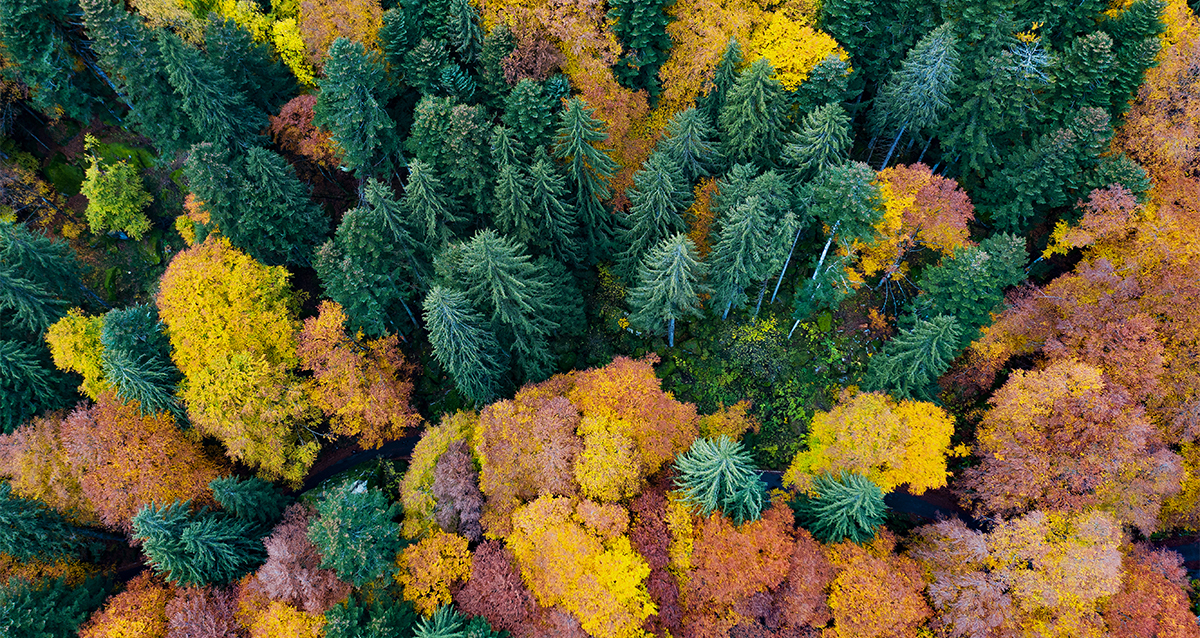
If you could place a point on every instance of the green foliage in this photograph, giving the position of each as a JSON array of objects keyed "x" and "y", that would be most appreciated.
[
  {"x": 848, "y": 506},
  {"x": 31, "y": 531},
  {"x": 498, "y": 44},
  {"x": 252, "y": 499},
  {"x": 356, "y": 533},
  {"x": 379, "y": 617},
  {"x": 824, "y": 140},
  {"x": 827, "y": 83},
  {"x": 479, "y": 627},
  {"x": 909, "y": 365},
  {"x": 136, "y": 359},
  {"x": 754, "y": 122},
  {"x": 428, "y": 207},
  {"x": 220, "y": 113},
  {"x": 718, "y": 475},
  {"x": 41, "y": 43},
  {"x": 39, "y": 280},
  {"x": 1135, "y": 33},
  {"x": 917, "y": 95},
  {"x": 726, "y": 74},
  {"x": 689, "y": 143},
  {"x": 252, "y": 66},
  {"x": 197, "y": 549},
  {"x": 351, "y": 106},
  {"x": 589, "y": 170},
  {"x": 969, "y": 285},
  {"x": 463, "y": 345},
  {"x": 423, "y": 65},
  {"x": 641, "y": 26},
  {"x": 116, "y": 197},
  {"x": 29, "y": 385},
  {"x": 552, "y": 217},
  {"x": 659, "y": 196},
  {"x": 453, "y": 140},
  {"x": 465, "y": 36},
  {"x": 846, "y": 198},
  {"x": 668, "y": 287},
  {"x": 529, "y": 114},
  {"x": 49, "y": 608},
  {"x": 394, "y": 38},
  {"x": 740, "y": 256},
  {"x": 454, "y": 81},
  {"x": 445, "y": 623}
]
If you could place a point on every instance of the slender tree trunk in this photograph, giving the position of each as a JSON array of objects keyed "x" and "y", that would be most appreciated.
[
  {"x": 891, "y": 150},
  {"x": 761, "y": 293},
  {"x": 927, "y": 143},
  {"x": 725, "y": 315},
  {"x": 785, "y": 263},
  {"x": 821, "y": 262},
  {"x": 671, "y": 332}
]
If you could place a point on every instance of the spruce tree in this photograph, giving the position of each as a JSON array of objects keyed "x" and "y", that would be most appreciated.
[
  {"x": 493, "y": 89},
  {"x": 352, "y": 107},
  {"x": 252, "y": 66},
  {"x": 740, "y": 256},
  {"x": 29, "y": 384},
  {"x": 423, "y": 65},
  {"x": 463, "y": 345},
  {"x": 197, "y": 549},
  {"x": 31, "y": 531},
  {"x": 754, "y": 122},
  {"x": 917, "y": 95},
  {"x": 364, "y": 615},
  {"x": 453, "y": 140},
  {"x": 49, "y": 608},
  {"x": 909, "y": 365},
  {"x": 1136, "y": 39},
  {"x": 39, "y": 280},
  {"x": 668, "y": 287},
  {"x": 726, "y": 74},
  {"x": 719, "y": 475},
  {"x": 444, "y": 623},
  {"x": 253, "y": 500},
  {"x": 589, "y": 170},
  {"x": 827, "y": 83},
  {"x": 427, "y": 207},
  {"x": 220, "y": 113},
  {"x": 641, "y": 26},
  {"x": 553, "y": 217},
  {"x": 689, "y": 143},
  {"x": 136, "y": 360},
  {"x": 657, "y": 200},
  {"x": 356, "y": 532},
  {"x": 394, "y": 39},
  {"x": 969, "y": 285},
  {"x": 40, "y": 42},
  {"x": 824, "y": 140},
  {"x": 846, "y": 507},
  {"x": 465, "y": 36},
  {"x": 529, "y": 114}
]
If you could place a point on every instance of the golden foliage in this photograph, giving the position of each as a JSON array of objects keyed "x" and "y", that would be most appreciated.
[
  {"x": 71, "y": 570},
  {"x": 74, "y": 343},
  {"x": 39, "y": 467},
  {"x": 608, "y": 468},
  {"x": 877, "y": 593},
  {"x": 429, "y": 569},
  {"x": 138, "y": 612},
  {"x": 793, "y": 46},
  {"x": 416, "y": 491},
  {"x": 732, "y": 421},
  {"x": 700, "y": 216}
]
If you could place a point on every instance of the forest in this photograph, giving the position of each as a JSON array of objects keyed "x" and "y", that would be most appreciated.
[{"x": 599, "y": 318}]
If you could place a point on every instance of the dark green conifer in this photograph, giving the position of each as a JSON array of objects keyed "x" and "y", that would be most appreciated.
[
  {"x": 366, "y": 616},
  {"x": 427, "y": 207},
  {"x": 726, "y": 74},
  {"x": 689, "y": 142},
  {"x": 136, "y": 359},
  {"x": 589, "y": 170},
  {"x": 1135, "y": 33},
  {"x": 553, "y": 218},
  {"x": 657, "y": 200},
  {"x": 41, "y": 44},
  {"x": 253, "y": 500},
  {"x": 969, "y": 285},
  {"x": 465, "y": 36},
  {"x": 719, "y": 475},
  {"x": 394, "y": 39},
  {"x": 39, "y": 280},
  {"x": 352, "y": 107},
  {"x": 641, "y": 26},
  {"x": 29, "y": 384},
  {"x": 220, "y": 112},
  {"x": 423, "y": 65},
  {"x": 740, "y": 256},
  {"x": 493, "y": 88},
  {"x": 909, "y": 365},
  {"x": 356, "y": 532},
  {"x": 846, "y": 507},
  {"x": 754, "y": 122},
  {"x": 529, "y": 115},
  {"x": 463, "y": 345},
  {"x": 49, "y": 608},
  {"x": 31, "y": 531},
  {"x": 827, "y": 83},
  {"x": 444, "y": 623},
  {"x": 197, "y": 549},
  {"x": 453, "y": 139},
  {"x": 668, "y": 287},
  {"x": 824, "y": 140},
  {"x": 252, "y": 66}
]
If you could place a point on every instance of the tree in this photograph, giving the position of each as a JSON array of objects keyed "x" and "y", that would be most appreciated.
[
  {"x": 427, "y": 205},
  {"x": 846, "y": 506},
  {"x": 888, "y": 442},
  {"x": 553, "y": 218},
  {"x": 74, "y": 343},
  {"x": 741, "y": 255},
  {"x": 39, "y": 468},
  {"x": 659, "y": 196},
  {"x": 51, "y": 607},
  {"x": 44, "y": 51},
  {"x": 823, "y": 141},
  {"x": 529, "y": 114},
  {"x": 28, "y": 385},
  {"x": 351, "y": 106},
  {"x": 220, "y": 113},
  {"x": 143, "y": 605},
  {"x": 33, "y": 531},
  {"x": 463, "y": 345},
  {"x": 453, "y": 140},
  {"x": 719, "y": 475},
  {"x": 668, "y": 287},
  {"x": 689, "y": 142},
  {"x": 116, "y": 197},
  {"x": 251, "y": 499},
  {"x": 456, "y": 489},
  {"x": 724, "y": 77},
  {"x": 429, "y": 568},
  {"x": 293, "y": 130},
  {"x": 362, "y": 617},
  {"x": 589, "y": 170},
  {"x": 196, "y": 549},
  {"x": 969, "y": 284},
  {"x": 916, "y": 95},
  {"x": 641, "y": 26},
  {"x": 252, "y": 65},
  {"x": 135, "y": 358},
  {"x": 876, "y": 592},
  {"x": 754, "y": 122},
  {"x": 322, "y": 23},
  {"x": 292, "y": 572},
  {"x": 909, "y": 365},
  {"x": 1154, "y": 596},
  {"x": 495, "y": 590},
  {"x": 356, "y": 533},
  {"x": 445, "y": 622},
  {"x": 203, "y": 611},
  {"x": 39, "y": 280}
]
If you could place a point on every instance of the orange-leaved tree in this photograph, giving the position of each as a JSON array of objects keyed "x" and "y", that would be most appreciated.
[
  {"x": 140, "y": 610},
  {"x": 877, "y": 592}
]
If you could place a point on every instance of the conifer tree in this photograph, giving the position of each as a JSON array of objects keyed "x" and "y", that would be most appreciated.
[
  {"x": 195, "y": 550},
  {"x": 352, "y": 107},
  {"x": 497, "y": 46},
  {"x": 689, "y": 143},
  {"x": 909, "y": 365},
  {"x": 252, "y": 499},
  {"x": 251, "y": 65},
  {"x": 718, "y": 475},
  {"x": 657, "y": 200},
  {"x": 754, "y": 122},
  {"x": 220, "y": 113},
  {"x": 824, "y": 140},
  {"x": 427, "y": 206},
  {"x": 365, "y": 616},
  {"x": 444, "y": 623},
  {"x": 847, "y": 506},
  {"x": 827, "y": 83},
  {"x": 641, "y": 25},
  {"x": 135, "y": 359},
  {"x": 917, "y": 95},
  {"x": 553, "y": 217},
  {"x": 668, "y": 287},
  {"x": 465, "y": 36},
  {"x": 726, "y": 74},
  {"x": 423, "y": 65},
  {"x": 116, "y": 197},
  {"x": 50, "y": 608},
  {"x": 31, "y": 531},
  {"x": 356, "y": 532},
  {"x": 39, "y": 280},
  {"x": 529, "y": 114},
  {"x": 453, "y": 140},
  {"x": 969, "y": 285},
  {"x": 41, "y": 46},
  {"x": 28, "y": 384},
  {"x": 740, "y": 255},
  {"x": 1135, "y": 33},
  {"x": 463, "y": 345},
  {"x": 394, "y": 39},
  {"x": 589, "y": 170}
]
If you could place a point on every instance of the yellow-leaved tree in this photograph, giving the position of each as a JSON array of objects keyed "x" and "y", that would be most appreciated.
[
  {"x": 416, "y": 492},
  {"x": 74, "y": 343},
  {"x": 429, "y": 568}
]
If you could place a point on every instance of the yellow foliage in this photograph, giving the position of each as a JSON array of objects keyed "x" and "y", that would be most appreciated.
[
  {"x": 416, "y": 491},
  {"x": 39, "y": 467},
  {"x": 429, "y": 568},
  {"x": 34, "y": 571},
  {"x": 732, "y": 421},
  {"x": 75, "y": 344},
  {"x": 609, "y": 468},
  {"x": 679, "y": 522},
  {"x": 173, "y": 14},
  {"x": 793, "y": 47},
  {"x": 282, "y": 620},
  {"x": 290, "y": 46},
  {"x": 873, "y": 435},
  {"x": 248, "y": 16}
]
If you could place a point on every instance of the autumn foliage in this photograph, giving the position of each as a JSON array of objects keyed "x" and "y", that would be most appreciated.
[
  {"x": 138, "y": 612},
  {"x": 292, "y": 572}
]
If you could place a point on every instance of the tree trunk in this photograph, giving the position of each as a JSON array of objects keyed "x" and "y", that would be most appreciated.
[
  {"x": 761, "y": 293},
  {"x": 785, "y": 263},
  {"x": 671, "y": 332},
  {"x": 891, "y": 150}
]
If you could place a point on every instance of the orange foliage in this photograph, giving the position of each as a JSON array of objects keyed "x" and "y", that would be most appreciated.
[
  {"x": 138, "y": 612},
  {"x": 39, "y": 467},
  {"x": 294, "y": 131},
  {"x": 323, "y": 21},
  {"x": 877, "y": 593},
  {"x": 1153, "y": 601},
  {"x": 700, "y": 215},
  {"x": 732, "y": 421},
  {"x": 71, "y": 570},
  {"x": 431, "y": 567},
  {"x": 266, "y": 618}
]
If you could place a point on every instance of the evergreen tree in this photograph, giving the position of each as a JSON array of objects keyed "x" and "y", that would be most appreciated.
[
  {"x": 364, "y": 616},
  {"x": 917, "y": 95},
  {"x": 427, "y": 207},
  {"x": 824, "y": 140},
  {"x": 29, "y": 385},
  {"x": 718, "y": 475},
  {"x": 50, "y": 608},
  {"x": 394, "y": 39},
  {"x": 726, "y": 74},
  {"x": 435, "y": 19},
  {"x": 463, "y": 345},
  {"x": 848, "y": 506},
  {"x": 658, "y": 198},
  {"x": 877, "y": 33},
  {"x": 529, "y": 114},
  {"x": 498, "y": 44},
  {"x": 1136, "y": 39},
  {"x": 827, "y": 83},
  {"x": 31, "y": 531},
  {"x": 740, "y": 255},
  {"x": 253, "y": 500},
  {"x": 455, "y": 82},
  {"x": 423, "y": 65},
  {"x": 39, "y": 280},
  {"x": 444, "y": 623},
  {"x": 641, "y": 26},
  {"x": 668, "y": 287},
  {"x": 195, "y": 550},
  {"x": 754, "y": 121},
  {"x": 553, "y": 218},
  {"x": 689, "y": 143},
  {"x": 969, "y": 285},
  {"x": 42, "y": 47},
  {"x": 453, "y": 140},
  {"x": 220, "y": 113},
  {"x": 589, "y": 170},
  {"x": 512, "y": 207},
  {"x": 135, "y": 358},
  {"x": 352, "y": 107},
  {"x": 252, "y": 66},
  {"x": 909, "y": 365},
  {"x": 465, "y": 36},
  {"x": 356, "y": 532}
]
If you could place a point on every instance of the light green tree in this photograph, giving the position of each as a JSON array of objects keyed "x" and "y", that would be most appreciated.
[{"x": 668, "y": 287}]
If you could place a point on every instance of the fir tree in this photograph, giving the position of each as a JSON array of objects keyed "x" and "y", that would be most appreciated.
[
  {"x": 444, "y": 623},
  {"x": 529, "y": 114},
  {"x": 28, "y": 384},
  {"x": 31, "y": 531},
  {"x": 909, "y": 365},
  {"x": 220, "y": 113},
  {"x": 463, "y": 345},
  {"x": 356, "y": 532},
  {"x": 668, "y": 287},
  {"x": 824, "y": 140},
  {"x": 498, "y": 44},
  {"x": 252, "y": 66},
  {"x": 253, "y": 500},
  {"x": 754, "y": 122},
  {"x": 512, "y": 203},
  {"x": 641, "y": 26},
  {"x": 456, "y": 83},
  {"x": 740, "y": 255},
  {"x": 827, "y": 83},
  {"x": 726, "y": 74},
  {"x": 718, "y": 475},
  {"x": 465, "y": 36},
  {"x": 394, "y": 39},
  {"x": 689, "y": 143},
  {"x": 364, "y": 616},
  {"x": 917, "y": 95},
  {"x": 194, "y": 550},
  {"x": 553, "y": 218},
  {"x": 40, "y": 43},
  {"x": 969, "y": 285},
  {"x": 589, "y": 170},
  {"x": 50, "y": 608},
  {"x": 453, "y": 140},
  {"x": 39, "y": 280},
  {"x": 1135, "y": 33},
  {"x": 658, "y": 198},
  {"x": 352, "y": 107},
  {"x": 135, "y": 359},
  {"x": 848, "y": 506},
  {"x": 423, "y": 65},
  {"x": 427, "y": 206}
]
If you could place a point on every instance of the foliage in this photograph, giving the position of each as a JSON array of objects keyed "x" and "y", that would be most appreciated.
[
  {"x": 718, "y": 475},
  {"x": 39, "y": 278},
  {"x": 139, "y": 611},
  {"x": 1153, "y": 598},
  {"x": 668, "y": 287},
  {"x": 116, "y": 198},
  {"x": 843, "y": 507},
  {"x": 452, "y": 139},
  {"x": 351, "y": 105},
  {"x": 823, "y": 139},
  {"x": 74, "y": 343},
  {"x": 909, "y": 365},
  {"x": 220, "y": 113},
  {"x": 358, "y": 617},
  {"x": 41, "y": 51},
  {"x": 969, "y": 284},
  {"x": 32, "y": 530},
  {"x": 292, "y": 572},
  {"x": 589, "y": 169},
  {"x": 195, "y": 612},
  {"x": 52, "y": 607},
  {"x": 495, "y": 590},
  {"x": 294, "y": 131},
  {"x": 754, "y": 122},
  {"x": 417, "y": 495},
  {"x": 356, "y": 533},
  {"x": 38, "y": 465},
  {"x": 456, "y": 489},
  {"x": 321, "y": 23},
  {"x": 640, "y": 25},
  {"x": 444, "y": 623},
  {"x": 917, "y": 95},
  {"x": 660, "y": 194},
  {"x": 196, "y": 549},
  {"x": 462, "y": 344},
  {"x": 876, "y": 592},
  {"x": 429, "y": 569},
  {"x": 252, "y": 499}
]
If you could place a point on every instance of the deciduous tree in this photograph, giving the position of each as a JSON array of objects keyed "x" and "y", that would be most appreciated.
[
  {"x": 116, "y": 197},
  {"x": 429, "y": 568},
  {"x": 140, "y": 610},
  {"x": 292, "y": 572}
]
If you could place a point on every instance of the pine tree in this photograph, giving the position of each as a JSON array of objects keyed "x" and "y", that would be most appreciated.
[
  {"x": 641, "y": 26},
  {"x": 529, "y": 114},
  {"x": 135, "y": 359},
  {"x": 463, "y": 345},
  {"x": 726, "y": 74},
  {"x": 49, "y": 608},
  {"x": 31, "y": 531},
  {"x": 253, "y": 500},
  {"x": 252, "y": 66},
  {"x": 39, "y": 280},
  {"x": 969, "y": 285},
  {"x": 824, "y": 140},
  {"x": 444, "y": 623},
  {"x": 41, "y": 44},
  {"x": 423, "y": 65},
  {"x": 352, "y": 107},
  {"x": 754, "y": 121},
  {"x": 356, "y": 532},
  {"x": 909, "y": 365},
  {"x": 394, "y": 39},
  {"x": 848, "y": 506},
  {"x": 668, "y": 287},
  {"x": 589, "y": 170},
  {"x": 28, "y": 384},
  {"x": 719, "y": 475},
  {"x": 427, "y": 206},
  {"x": 740, "y": 255},
  {"x": 689, "y": 143},
  {"x": 220, "y": 113},
  {"x": 657, "y": 200},
  {"x": 917, "y": 95},
  {"x": 553, "y": 218},
  {"x": 200, "y": 549}
]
